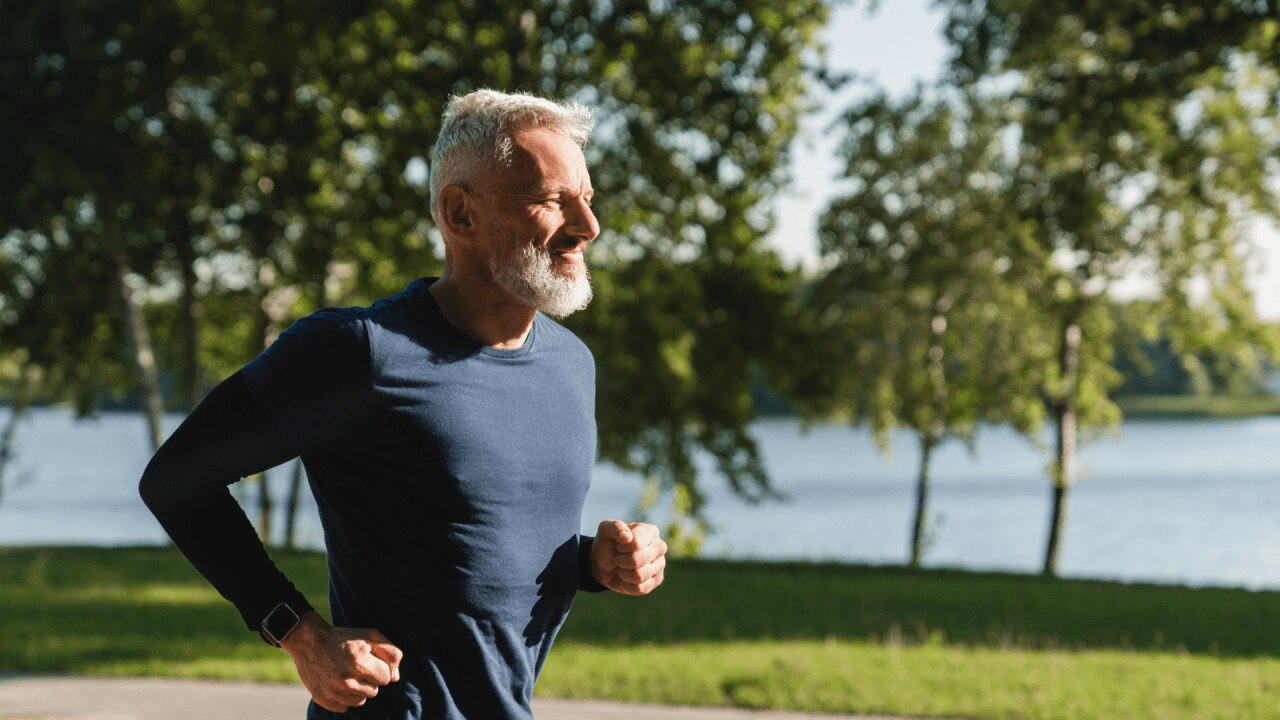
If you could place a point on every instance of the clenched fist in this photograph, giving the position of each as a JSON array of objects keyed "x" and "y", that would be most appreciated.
[
  {"x": 341, "y": 667},
  {"x": 628, "y": 558}
]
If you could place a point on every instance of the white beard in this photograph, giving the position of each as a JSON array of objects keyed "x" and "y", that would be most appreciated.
[{"x": 530, "y": 276}]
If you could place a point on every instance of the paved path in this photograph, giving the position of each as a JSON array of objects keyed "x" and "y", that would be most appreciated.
[{"x": 79, "y": 698}]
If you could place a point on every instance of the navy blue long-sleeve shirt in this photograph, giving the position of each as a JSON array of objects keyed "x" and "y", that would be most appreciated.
[{"x": 450, "y": 478}]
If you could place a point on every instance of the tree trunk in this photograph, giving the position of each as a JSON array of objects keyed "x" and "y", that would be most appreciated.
[
  {"x": 190, "y": 319},
  {"x": 922, "y": 496},
  {"x": 291, "y": 509},
  {"x": 1064, "y": 471},
  {"x": 21, "y": 401},
  {"x": 144, "y": 360},
  {"x": 264, "y": 509},
  {"x": 295, "y": 481},
  {"x": 273, "y": 306},
  {"x": 931, "y": 436}
]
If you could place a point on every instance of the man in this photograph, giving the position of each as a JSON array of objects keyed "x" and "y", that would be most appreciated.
[{"x": 448, "y": 434}]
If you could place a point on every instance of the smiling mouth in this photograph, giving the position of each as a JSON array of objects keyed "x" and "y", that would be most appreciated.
[
  {"x": 568, "y": 255},
  {"x": 568, "y": 263}
]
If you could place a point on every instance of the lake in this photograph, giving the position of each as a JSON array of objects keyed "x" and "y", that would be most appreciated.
[{"x": 1182, "y": 501}]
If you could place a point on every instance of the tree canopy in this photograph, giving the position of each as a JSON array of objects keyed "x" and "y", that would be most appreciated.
[
  {"x": 239, "y": 165},
  {"x": 1069, "y": 147}
]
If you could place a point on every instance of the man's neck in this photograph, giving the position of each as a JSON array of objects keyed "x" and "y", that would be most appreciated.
[{"x": 482, "y": 311}]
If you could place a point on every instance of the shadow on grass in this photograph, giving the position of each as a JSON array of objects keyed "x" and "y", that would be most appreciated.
[{"x": 719, "y": 600}]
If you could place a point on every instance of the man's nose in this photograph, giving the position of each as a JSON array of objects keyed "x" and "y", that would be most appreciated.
[{"x": 581, "y": 223}]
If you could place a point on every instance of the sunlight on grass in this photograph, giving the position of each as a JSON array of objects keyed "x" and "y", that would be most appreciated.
[
  {"x": 924, "y": 680},
  {"x": 811, "y": 637},
  {"x": 158, "y": 594}
]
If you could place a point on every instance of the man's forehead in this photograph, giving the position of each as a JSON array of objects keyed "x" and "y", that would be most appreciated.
[{"x": 543, "y": 159}]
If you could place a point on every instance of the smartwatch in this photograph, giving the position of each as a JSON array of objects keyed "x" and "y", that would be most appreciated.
[{"x": 279, "y": 623}]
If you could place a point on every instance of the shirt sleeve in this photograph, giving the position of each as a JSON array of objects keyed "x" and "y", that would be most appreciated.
[
  {"x": 586, "y": 579},
  {"x": 185, "y": 486},
  {"x": 315, "y": 380}
]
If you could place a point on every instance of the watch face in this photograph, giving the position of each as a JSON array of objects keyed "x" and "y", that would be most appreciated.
[{"x": 279, "y": 622}]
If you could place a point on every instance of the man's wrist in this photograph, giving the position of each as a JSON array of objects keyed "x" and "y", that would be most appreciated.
[
  {"x": 587, "y": 579},
  {"x": 283, "y": 617},
  {"x": 309, "y": 627}
]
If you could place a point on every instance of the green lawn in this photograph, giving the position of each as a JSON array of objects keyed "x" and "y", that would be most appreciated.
[{"x": 795, "y": 636}]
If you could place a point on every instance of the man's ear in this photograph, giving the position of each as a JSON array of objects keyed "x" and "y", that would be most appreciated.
[{"x": 456, "y": 209}]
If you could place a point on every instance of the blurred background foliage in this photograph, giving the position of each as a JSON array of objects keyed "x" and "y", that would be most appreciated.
[
  {"x": 972, "y": 262},
  {"x": 185, "y": 178}
]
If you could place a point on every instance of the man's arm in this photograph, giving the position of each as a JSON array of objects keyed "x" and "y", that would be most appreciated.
[
  {"x": 185, "y": 485},
  {"x": 228, "y": 437}
]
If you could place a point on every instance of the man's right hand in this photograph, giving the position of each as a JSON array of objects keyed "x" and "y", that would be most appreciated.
[{"x": 341, "y": 667}]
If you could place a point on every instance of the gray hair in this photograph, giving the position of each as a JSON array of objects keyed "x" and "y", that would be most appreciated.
[{"x": 477, "y": 129}]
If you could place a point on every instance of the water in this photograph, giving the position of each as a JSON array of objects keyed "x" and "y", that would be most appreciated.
[{"x": 1192, "y": 502}]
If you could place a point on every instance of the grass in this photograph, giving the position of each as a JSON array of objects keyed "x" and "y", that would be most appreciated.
[
  {"x": 1198, "y": 406},
  {"x": 815, "y": 637}
]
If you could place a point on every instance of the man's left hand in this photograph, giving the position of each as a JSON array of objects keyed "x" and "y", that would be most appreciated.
[{"x": 628, "y": 558}]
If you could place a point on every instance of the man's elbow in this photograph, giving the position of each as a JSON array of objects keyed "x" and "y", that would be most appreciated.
[{"x": 157, "y": 484}]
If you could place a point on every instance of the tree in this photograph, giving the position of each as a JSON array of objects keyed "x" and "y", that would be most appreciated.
[
  {"x": 98, "y": 193},
  {"x": 923, "y": 323},
  {"x": 1144, "y": 136},
  {"x": 306, "y": 128}
]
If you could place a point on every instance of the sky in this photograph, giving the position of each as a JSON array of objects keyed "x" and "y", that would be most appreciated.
[{"x": 899, "y": 45}]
